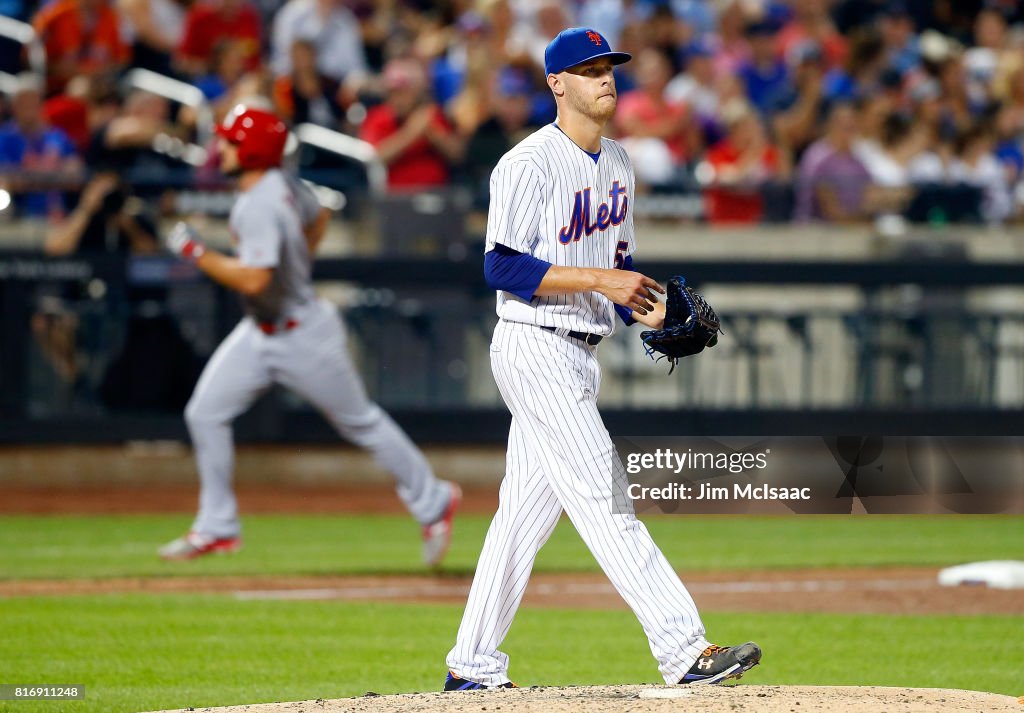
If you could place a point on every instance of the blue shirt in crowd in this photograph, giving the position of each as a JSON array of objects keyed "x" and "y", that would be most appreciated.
[{"x": 45, "y": 151}]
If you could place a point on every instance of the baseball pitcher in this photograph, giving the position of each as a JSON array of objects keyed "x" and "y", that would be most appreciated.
[{"x": 559, "y": 252}]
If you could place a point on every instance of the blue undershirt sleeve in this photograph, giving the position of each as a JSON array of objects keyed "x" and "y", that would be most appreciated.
[
  {"x": 512, "y": 271},
  {"x": 625, "y": 313}
]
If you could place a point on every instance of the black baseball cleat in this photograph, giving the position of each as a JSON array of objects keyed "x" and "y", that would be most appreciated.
[
  {"x": 720, "y": 663},
  {"x": 454, "y": 683}
]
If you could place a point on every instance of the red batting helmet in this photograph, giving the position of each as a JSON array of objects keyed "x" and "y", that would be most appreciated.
[{"x": 259, "y": 135}]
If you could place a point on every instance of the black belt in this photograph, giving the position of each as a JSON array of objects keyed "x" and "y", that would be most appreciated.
[{"x": 591, "y": 339}]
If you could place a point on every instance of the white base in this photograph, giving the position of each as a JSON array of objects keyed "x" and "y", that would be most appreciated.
[{"x": 998, "y": 574}]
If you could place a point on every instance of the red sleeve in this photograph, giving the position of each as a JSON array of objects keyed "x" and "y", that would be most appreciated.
[
  {"x": 251, "y": 29},
  {"x": 835, "y": 49},
  {"x": 440, "y": 121},
  {"x": 41, "y": 21},
  {"x": 254, "y": 24},
  {"x": 718, "y": 155},
  {"x": 119, "y": 51},
  {"x": 283, "y": 99},
  {"x": 190, "y": 40},
  {"x": 375, "y": 127},
  {"x": 48, "y": 26}
]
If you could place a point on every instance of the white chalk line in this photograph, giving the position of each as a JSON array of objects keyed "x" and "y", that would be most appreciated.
[{"x": 584, "y": 588}]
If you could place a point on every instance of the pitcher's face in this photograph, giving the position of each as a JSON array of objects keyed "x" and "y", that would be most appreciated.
[{"x": 590, "y": 89}]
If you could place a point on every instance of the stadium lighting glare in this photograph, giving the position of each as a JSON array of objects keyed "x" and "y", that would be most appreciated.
[{"x": 5, "y": 199}]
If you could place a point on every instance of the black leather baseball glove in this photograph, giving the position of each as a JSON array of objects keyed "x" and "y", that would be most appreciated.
[{"x": 690, "y": 325}]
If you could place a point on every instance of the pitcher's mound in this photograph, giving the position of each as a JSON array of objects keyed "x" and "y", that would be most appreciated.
[{"x": 637, "y": 699}]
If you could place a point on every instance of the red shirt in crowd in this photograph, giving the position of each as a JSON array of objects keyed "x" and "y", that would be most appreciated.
[
  {"x": 206, "y": 25},
  {"x": 421, "y": 164},
  {"x": 740, "y": 204},
  {"x": 833, "y": 45},
  {"x": 70, "y": 115},
  {"x": 67, "y": 38}
]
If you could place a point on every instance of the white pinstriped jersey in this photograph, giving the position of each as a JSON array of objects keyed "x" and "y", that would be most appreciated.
[{"x": 551, "y": 200}]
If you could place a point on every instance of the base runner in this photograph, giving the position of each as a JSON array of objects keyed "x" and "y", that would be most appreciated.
[{"x": 287, "y": 337}]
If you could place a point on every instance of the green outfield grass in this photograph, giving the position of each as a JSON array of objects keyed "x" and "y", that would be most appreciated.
[
  {"x": 146, "y": 652},
  {"x": 106, "y": 546}
]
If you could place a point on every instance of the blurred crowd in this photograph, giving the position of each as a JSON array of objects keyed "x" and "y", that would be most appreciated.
[{"x": 810, "y": 110}]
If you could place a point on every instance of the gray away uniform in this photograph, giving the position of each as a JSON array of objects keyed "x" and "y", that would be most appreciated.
[{"x": 290, "y": 337}]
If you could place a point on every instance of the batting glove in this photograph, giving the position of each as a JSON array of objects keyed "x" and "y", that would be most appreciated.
[{"x": 184, "y": 242}]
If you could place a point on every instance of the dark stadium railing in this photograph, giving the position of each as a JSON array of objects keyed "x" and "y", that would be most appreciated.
[{"x": 106, "y": 349}]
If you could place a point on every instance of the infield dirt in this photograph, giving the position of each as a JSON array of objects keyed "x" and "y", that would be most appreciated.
[
  {"x": 882, "y": 590},
  {"x": 644, "y": 699}
]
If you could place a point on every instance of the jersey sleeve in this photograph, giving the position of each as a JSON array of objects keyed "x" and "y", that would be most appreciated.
[
  {"x": 514, "y": 272},
  {"x": 514, "y": 216},
  {"x": 306, "y": 202},
  {"x": 259, "y": 236}
]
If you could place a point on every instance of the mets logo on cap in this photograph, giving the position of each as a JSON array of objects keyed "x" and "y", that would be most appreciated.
[{"x": 577, "y": 45}]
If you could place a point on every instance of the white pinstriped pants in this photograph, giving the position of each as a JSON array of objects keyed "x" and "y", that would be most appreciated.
[{"x": 560, "y": 456}]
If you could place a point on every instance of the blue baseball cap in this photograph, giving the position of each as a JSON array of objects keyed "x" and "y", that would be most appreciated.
[{"x": 577, "y": 45}]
